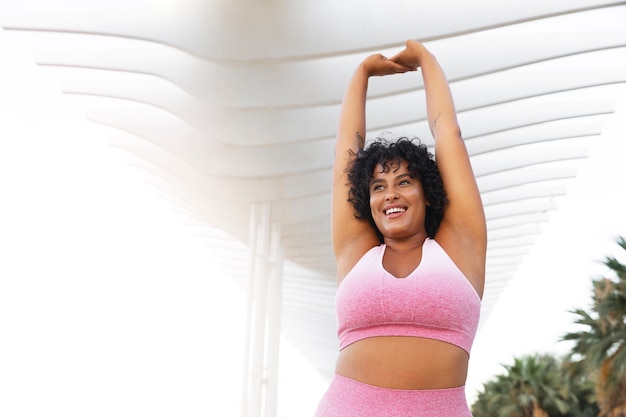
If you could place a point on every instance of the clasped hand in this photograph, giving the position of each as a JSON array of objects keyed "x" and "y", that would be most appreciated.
[{"x": 406, "y": 60}]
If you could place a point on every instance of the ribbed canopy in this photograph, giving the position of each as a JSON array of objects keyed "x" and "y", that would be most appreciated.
[{"x": 228, "y": 104}]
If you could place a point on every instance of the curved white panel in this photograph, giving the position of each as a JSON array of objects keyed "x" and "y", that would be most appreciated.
[{"x": 239, "y": 101}]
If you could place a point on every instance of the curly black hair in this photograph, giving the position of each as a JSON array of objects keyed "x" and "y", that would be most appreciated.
[{"x": 421, "y": 165}]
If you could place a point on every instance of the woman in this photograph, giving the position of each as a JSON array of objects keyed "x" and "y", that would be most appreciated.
[{"x": 410, "y": 243}]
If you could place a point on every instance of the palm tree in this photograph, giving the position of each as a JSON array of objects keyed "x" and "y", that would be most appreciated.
[
  {"x": 601, "y": 345},
  {"x": 579, "y": 387},
  {"x": 532, "y": 387}
]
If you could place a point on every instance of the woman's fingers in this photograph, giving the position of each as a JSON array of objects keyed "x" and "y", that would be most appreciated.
[
  {"x": 379, "y": 65},
  {"x": 405, "y": 59},
  {"x": 410, "y": 56}
]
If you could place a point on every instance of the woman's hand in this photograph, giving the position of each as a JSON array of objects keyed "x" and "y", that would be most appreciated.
[
  {"x": 379, "y": 65},
  {"x": 411, "y": 55}
]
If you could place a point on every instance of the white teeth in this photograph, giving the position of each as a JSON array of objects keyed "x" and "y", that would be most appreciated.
[{"x": 395, "y": 210}]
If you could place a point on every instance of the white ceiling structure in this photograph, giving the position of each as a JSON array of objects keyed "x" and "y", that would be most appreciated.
[{"x": 229, "y": 105}]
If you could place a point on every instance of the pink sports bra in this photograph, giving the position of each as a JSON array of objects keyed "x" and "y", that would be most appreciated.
[{"x": 436, "y": 301}]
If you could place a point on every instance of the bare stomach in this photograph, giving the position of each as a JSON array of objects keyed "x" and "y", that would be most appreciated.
[{"x": 404, "y": 363}]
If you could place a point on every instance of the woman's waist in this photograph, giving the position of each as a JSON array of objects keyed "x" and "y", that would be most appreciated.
[{"x": 402, "y": 362}]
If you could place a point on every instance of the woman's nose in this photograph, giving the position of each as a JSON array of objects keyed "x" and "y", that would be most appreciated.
[{"x": 391, "y": 194}]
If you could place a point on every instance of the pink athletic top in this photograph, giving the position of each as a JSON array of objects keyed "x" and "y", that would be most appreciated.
[{"x": 436, "y": 301}]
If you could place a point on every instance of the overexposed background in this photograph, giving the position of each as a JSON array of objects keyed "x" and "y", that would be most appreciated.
[{"x": 110, "y": 305}]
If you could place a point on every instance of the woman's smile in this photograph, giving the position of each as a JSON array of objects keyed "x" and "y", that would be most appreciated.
[{"x": 394, "y": 211}]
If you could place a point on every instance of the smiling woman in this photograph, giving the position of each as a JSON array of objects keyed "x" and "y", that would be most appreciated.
[{"x": 409, "y": 236}]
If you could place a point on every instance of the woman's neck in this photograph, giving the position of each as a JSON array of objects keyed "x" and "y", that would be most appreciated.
[{"x": 405, "y": 245}]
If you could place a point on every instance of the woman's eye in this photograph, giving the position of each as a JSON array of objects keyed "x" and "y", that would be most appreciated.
[{"x": 404, "y": 182}]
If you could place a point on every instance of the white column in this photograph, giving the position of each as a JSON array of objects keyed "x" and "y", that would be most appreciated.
[
  {"x": 260, "y": 379},
  {"x": 274, "y": 321},
  {"x": 252, "y": 246}
]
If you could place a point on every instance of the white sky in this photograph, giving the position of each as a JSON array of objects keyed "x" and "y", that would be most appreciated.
[
  {"x": 109, "y": 305},
  {"x": 532, "y": 314},
  {"x": 105, "y": 296}
]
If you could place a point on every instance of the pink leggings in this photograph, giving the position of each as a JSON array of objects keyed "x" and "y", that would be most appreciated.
[{"x": 349, "y": 398}]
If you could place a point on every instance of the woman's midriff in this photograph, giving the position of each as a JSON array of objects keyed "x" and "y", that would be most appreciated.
[{"x": 404, "y": 363}]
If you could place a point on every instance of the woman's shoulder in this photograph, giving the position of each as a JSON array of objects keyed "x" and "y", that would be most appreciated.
[
  {"x": 349, "y": 261},
  {"x": 468, "y": 254}
]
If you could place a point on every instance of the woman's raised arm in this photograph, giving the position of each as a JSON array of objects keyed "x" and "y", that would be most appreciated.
[
  {"x": 352, "y": 237},
  {"x": 463, "y": 231}
]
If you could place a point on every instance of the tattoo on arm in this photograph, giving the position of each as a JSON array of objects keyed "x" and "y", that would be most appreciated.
[
  {"x": 361, "y": 139},
  {"x": 433, "y": 125}
]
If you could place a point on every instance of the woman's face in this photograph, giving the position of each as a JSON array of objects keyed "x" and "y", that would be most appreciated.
[{"x": 397, "y": 202}]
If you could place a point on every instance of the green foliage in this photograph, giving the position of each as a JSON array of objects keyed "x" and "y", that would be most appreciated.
[
  {"x": 581, "y": 385},
  {"x": 534, "y": 386},
  {"x": 590, "y": 382},
  {"x": 600, "y": 345}
]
